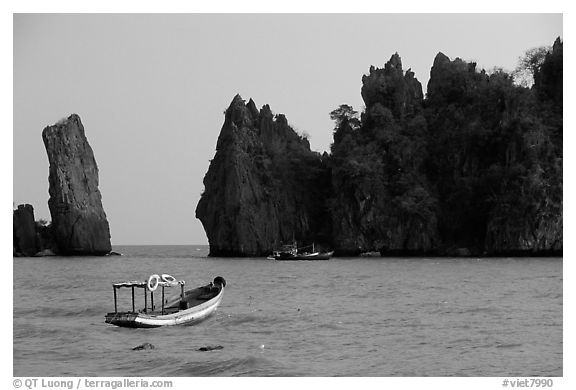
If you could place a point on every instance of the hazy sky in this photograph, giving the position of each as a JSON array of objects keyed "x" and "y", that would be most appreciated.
[{"x": 151, "y": 90}]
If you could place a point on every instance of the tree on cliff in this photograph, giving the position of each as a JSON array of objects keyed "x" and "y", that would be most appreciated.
[
  {"x": 529, "y": 64},
  {"x": 346, "y": 119},
  {"x": 345, "y": 114}
]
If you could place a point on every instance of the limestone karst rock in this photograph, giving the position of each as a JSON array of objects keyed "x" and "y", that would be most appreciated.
[
  {"x": 496, "y": 157},
  {"x": 472, "y": 169},
  {"x": 79, "y": 223},
  {"x": 381, "y": 198},
  {"x": 264, "y": 185}
]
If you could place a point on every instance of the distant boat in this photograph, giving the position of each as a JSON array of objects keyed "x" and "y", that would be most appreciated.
[
  {"x": 292, "y": 252},
  {"x": 185, "y": 308}
]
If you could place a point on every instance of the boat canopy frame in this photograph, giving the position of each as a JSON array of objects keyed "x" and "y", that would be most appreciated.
[{"x": 138, "y": 284}]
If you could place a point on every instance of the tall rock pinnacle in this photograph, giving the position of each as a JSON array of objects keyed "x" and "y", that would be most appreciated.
[
  {"x": 264, "y": 186},
  {"x": 78, "y": 220}
]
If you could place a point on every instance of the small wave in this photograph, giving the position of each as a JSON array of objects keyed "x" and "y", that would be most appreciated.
[
  {"x": 241, "y": 319},
  {"x": 52, "y": 312},
  {"x": 360, "y": 295},
  {"x": 482, "y": 310},
  {"x": 435, "y": 288},
  {"x": 32, "y": 330},
  {"x": 247, "y": 366},
  {"x": 286, "y": 277},
  {"x": 511, "y": 345},
  {"x": 331, "y": 325},
  {"x": 252, "y": 318},
  {"x": 551, "y": 295}
]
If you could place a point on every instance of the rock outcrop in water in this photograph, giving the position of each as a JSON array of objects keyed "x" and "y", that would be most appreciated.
[
  {"x": 79, "y": 224},
  {"x": 143, "y": 347},
  {"x": 24, "y": 231},
  {"x": 264, "y": 186},
  {"x": 475, "y": 168},
  {"x": 31, "y": 238},
  {"x": 210, "y": 348}
]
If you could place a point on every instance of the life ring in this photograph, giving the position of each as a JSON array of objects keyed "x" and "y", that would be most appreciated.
[
  {"x": 169, "y": 279},
  {"x": 153, "y": 281}
]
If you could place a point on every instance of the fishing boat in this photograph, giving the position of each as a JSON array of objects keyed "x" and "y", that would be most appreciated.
[
  {"x": 187, "y": 307},
  {"x": 292, "y": 252}
]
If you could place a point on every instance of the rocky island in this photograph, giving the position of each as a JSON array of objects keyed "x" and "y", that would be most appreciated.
[
  {"x": 24, "y": 234},
  {"x": 79, "y": 226},
  {"x": 472, "y": 168},
  {"x": 264, "y": 185}
]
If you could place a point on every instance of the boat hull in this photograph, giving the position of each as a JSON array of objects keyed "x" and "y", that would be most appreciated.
[
  {"x": 154, "y": 320},
  {"x": 309, "y": 257}
]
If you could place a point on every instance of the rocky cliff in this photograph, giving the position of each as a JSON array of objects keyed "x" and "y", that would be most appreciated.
[
  {"x": 79, "y": 224},
  {"x": 381, "y": 198},
  {"x": 527, "y": 217},
  {"x": 474, "y": 168},
  {"x": 264, "y": 186},
  {"x": 496, "y": 160}
]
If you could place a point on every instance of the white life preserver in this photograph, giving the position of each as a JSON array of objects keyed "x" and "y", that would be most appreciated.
[
  {"x": 169, "y": 280},
  {"x": 153, "y": 282}
]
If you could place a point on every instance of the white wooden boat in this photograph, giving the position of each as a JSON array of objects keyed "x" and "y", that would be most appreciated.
[{"x": 188, "y": 307}]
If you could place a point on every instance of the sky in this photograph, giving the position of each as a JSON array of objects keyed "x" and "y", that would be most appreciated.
[{"x": 151, "y": 90}]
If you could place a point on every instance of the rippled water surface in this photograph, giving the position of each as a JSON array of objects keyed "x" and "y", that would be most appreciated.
[{"x": 348, "y": 317}]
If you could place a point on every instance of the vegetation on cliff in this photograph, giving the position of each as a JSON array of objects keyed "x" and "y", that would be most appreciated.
[
  {"x": 476, "y": 165},
  {"x": 381, "y": 199},
  {"x": 472, "y": 168}
]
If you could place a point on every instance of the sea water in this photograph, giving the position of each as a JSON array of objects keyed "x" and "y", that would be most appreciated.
[{"x": 342, "y": 317}]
